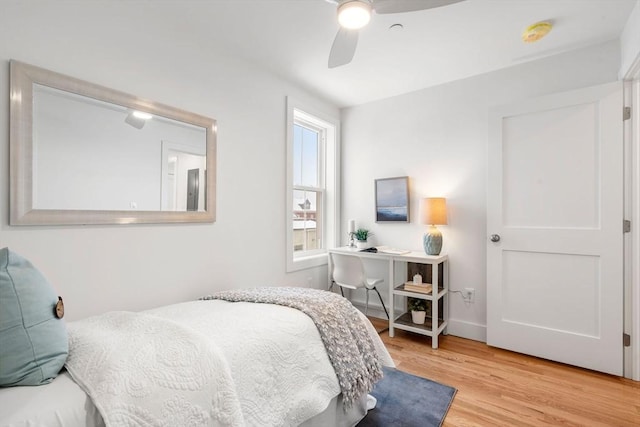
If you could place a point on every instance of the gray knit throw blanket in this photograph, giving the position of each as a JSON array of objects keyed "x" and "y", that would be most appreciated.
[{"x": 345, "y": 336}]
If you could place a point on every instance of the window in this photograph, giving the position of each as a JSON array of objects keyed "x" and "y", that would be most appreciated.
[
  {"x": 311, "y": 186},
  {"x": 308, "y": 185}
]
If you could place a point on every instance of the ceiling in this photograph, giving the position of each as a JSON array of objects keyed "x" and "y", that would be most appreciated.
[{"x": 292, "y": 39}]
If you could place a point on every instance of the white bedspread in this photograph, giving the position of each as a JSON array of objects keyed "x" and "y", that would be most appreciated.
[
  {"x": 143, "y": 370},
  {"x": 281, "y": 375}
]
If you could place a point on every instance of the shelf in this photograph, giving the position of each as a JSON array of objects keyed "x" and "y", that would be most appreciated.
[
  {"x": 433, "y": 269},
  {"x": 404, "y": 322},
  {"x": 399, "y": 290}
]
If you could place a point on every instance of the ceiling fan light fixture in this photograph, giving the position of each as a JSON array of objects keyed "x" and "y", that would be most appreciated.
[{"x": 354, "y": 14}]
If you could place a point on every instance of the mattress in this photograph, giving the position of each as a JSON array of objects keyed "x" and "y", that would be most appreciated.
[{"x": 62, "y": 403}]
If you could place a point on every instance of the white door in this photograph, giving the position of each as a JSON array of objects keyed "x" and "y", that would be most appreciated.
[{"x": 555, "y": 202}]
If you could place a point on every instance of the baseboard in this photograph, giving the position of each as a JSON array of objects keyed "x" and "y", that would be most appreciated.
[
  {"x": 462, "y": 329},
  {"x": 457, "y": 328},
  {"x": 375, "y": 310}
]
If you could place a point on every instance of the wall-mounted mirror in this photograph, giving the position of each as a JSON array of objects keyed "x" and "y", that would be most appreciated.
[{"x": 85, "y": 154}]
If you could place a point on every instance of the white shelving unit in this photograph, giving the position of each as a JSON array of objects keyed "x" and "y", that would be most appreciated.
[{"x": 437, "y": 322}]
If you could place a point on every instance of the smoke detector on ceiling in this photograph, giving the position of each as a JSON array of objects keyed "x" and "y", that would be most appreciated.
[{"x": 535, "y": 32}]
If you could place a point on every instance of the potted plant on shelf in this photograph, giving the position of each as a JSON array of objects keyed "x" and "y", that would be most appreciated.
[
  {"x": 362, "y": 235},
  {"x": 418, "y": 308}
]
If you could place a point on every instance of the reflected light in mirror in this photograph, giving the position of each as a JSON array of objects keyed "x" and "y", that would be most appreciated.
[{"x": 142, "y": 115}]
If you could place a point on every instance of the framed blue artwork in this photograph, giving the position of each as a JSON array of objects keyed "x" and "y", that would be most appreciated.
[{"x": 392, "y": 199}]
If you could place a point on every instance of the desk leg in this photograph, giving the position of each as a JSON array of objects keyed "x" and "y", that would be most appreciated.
[
  {"x": 392, "y": 303},
  {"x": 434, "y": 305},
  {"x": 445, "y": 281}
]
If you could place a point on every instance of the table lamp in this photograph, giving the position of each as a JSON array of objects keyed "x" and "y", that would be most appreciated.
[{"x": 434, "y": 212}]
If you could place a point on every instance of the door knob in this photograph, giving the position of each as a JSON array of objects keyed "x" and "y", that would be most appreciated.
[{"x": 495, "y": 238}]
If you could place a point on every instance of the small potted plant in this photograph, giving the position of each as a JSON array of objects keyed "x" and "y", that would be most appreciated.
[
  {"x": 362, "y": 235},
  {"x": 418, "y": 308}
]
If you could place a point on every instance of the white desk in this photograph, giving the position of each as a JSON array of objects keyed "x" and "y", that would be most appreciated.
[{"x": 396, "y": 289}]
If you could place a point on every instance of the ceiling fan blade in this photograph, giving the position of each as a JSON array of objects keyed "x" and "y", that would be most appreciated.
[
  {"x": 343, "y": 48},
  {"x": 399, "y": 6}
]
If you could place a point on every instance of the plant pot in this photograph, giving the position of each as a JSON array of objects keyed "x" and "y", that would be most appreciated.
[
  {"x": 418, "y": 317},
  {"x": 362, "y": 244}
]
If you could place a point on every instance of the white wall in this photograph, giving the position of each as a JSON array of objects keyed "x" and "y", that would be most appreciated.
[
  {"x": 630, "y": 43},
  {"x": 100, "y": 268},
  {"x": 438, "y": 137}
]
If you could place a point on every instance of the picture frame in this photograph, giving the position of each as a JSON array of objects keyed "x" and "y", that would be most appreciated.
[{"x": 392, "y": 199}]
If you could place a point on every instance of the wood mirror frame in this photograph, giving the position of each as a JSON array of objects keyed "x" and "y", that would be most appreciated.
[{"x": 21, "y": 158}]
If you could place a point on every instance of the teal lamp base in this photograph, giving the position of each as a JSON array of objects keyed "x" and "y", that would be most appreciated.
[{"x": 432, "y": 241}]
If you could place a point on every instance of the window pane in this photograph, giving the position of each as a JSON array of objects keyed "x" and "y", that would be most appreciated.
[
  {"x": 305, "y": 156},
  {"x": 306, "y": 220},
  {"x": 297, "y": 155}
]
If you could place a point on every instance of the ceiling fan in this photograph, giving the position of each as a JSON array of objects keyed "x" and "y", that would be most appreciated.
[{"x": 355, "y": 14}]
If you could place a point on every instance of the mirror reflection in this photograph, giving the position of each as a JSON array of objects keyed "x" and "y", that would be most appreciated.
[
  {"x": 93, "y": 155},
  {"x": 84, "y": 154}
]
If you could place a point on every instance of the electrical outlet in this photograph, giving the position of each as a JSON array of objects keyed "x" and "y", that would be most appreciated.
[{"x": 469, "y": 294}]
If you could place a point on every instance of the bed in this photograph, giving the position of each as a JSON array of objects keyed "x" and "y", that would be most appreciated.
[{"x": 215, "y": 361}]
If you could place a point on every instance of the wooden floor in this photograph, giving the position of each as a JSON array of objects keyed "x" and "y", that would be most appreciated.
[{"x": 501, "y": 388}]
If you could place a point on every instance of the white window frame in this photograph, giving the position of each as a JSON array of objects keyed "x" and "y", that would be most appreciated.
[
  {"x": 309, "y": 122},
  {"x": 329, "y": 127}
]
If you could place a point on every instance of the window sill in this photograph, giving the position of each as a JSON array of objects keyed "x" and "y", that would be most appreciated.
[{"x": 305, "y": 262}]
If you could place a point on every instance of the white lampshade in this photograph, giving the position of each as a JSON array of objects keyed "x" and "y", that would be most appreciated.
[
  {"x": 354, "y": 14},
  {"x": 434, "y": 210}
]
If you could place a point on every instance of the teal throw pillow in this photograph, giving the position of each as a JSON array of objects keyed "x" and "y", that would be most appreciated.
[{"x": 33, "y": 340}]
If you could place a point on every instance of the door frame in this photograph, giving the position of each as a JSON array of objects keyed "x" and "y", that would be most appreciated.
[{"x": 632, "y": 213}]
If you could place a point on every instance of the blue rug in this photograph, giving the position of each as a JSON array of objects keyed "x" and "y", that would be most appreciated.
[{"x": 405, "y": 400}]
